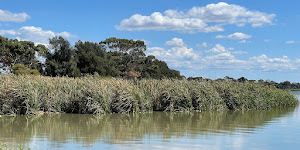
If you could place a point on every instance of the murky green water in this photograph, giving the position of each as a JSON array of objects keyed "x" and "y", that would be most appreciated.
[{"x": 270, "y": 129}]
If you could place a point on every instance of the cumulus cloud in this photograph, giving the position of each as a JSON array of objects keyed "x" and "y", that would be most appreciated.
[
  {"x": 158, "y": 21},
  {"x": 270, "y": 64},
  {"x": 235, "y": 36},
  {"x": 6, "y": 16},
  {"x": 179, "y": 55},
  {"x": 231, "y": 14},
  {"x": 217, "y": 49},
  {"x": 221, "y": 58},
  {"x": 175, "y": 42},
  {"x": 35, "y": 34},
  {"x": 209, "y": 18}
]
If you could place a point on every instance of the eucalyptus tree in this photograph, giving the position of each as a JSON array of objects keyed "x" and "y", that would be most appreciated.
[
  {"x": 92, "y": 57},
  {"x": 61, "y": 59},
  {"x": 13, "y": 51}
]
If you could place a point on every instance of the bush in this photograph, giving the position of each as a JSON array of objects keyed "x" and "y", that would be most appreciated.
[{"x": 21, "y": 69}]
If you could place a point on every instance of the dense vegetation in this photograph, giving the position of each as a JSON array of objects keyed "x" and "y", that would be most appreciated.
[
  {"x": 282, "y": 85},
  {"x": 95, "y": 95},
  {"x": 112, "y": 58},
  {"x": 96, "y": 92}
]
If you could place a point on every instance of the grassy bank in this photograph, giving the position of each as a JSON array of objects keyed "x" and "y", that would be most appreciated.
[{"x": 32, "y": 94}]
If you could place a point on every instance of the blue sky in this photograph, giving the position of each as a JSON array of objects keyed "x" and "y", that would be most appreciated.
[{"x": 255, "y": 39}]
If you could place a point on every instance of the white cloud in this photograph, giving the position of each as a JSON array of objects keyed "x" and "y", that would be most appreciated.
[
  {"x": 177, "y": 56},
  {"x": 270, "y": 64},
  {"x": 8, "y": 32},
  {"x": 6, "y": 16},
  {"x": 224, "y": 61},
  {"x": 155, "y": 49},
  {"x": 216, "y": 28},
  {"x": 35, "y": 34},
  {"x": 157, "y": 21},
  {"x": 220, "y": 58},
  {"x": 231, "y": 14},
  {"x": 209, "y": 18},
  {"x": 175, "y": 42},
  {"x": 239, "y": 52},
  {"x": 235, "y": 36},
  {"x": 217, "y": 49},
  {"x": 290, "y": 42},
  {"x": 267, "y": 40}
]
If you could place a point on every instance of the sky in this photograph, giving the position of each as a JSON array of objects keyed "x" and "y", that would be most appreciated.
[{"x": 254, "y": 39}]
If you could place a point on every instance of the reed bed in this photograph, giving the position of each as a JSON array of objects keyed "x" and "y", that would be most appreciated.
[{"x": 29, "y": 95}]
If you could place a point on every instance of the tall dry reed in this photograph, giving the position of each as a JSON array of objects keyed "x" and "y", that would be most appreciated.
[{"x": 94, "y": 95}]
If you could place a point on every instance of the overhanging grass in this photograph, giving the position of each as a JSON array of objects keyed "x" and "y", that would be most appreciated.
[{"x": 93, "y": 95}]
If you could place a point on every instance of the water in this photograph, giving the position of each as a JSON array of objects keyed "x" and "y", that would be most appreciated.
[{"x": 266, "y": 129}]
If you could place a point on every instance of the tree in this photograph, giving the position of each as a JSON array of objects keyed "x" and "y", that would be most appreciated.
[
  {"x": 14, "y": 52},
  {"x": 126, "y": 54},
  {"x": 92, "y": 58},
  {"x": 60, "y": 59},
  {"x": 111, "y": 57},
  {"x": 242, "y": 79},
  {"x": 135, "y": 48}
]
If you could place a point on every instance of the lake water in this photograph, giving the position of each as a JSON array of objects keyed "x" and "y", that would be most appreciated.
[{"x": 266, "y": 129}]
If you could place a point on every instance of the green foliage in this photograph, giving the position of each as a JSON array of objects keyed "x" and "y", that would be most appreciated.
[
  {"x": 92, "y": 57},
  {"x": 112, "y": 57},
  {"x": 34, "y": 72},
  {"x": 14, "y": 52},
  {"x": 129, "y": 58},
  {"x": 135, "y": 48},
  {"x": 21, "y": 69},
  {"x": 61, "y": 62}
]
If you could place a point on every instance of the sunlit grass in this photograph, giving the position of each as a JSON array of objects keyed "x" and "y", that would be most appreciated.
[{"x": 94, "y": 95}]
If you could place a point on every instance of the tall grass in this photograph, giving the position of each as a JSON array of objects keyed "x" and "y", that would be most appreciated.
[{"x": 93, "y": 95}]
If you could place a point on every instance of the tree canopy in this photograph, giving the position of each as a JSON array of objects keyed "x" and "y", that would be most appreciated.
[
  {"x": 112, "y": 57},
  {"x": 14, "y": 52}
]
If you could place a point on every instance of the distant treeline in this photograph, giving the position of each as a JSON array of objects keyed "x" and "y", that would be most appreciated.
[
  {"x": 281, "y": 85},
  {"x": 112, "y": 57}
]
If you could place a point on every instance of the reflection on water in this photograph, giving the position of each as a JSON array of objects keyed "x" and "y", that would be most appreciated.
[{"x": 153, "y": 130}]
